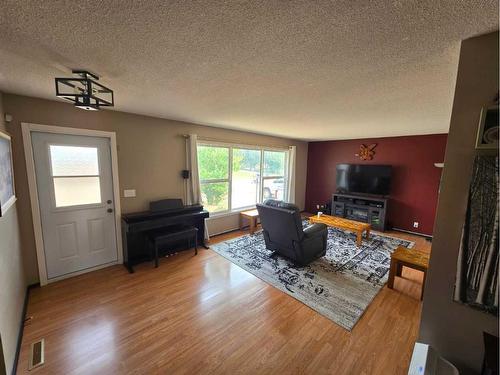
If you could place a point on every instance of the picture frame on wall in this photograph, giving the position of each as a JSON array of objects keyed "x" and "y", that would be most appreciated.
[
  {"x": 488, "y": 130},
  {"x": 7, "y": 188},
  {"x": 476, "y": 282}
]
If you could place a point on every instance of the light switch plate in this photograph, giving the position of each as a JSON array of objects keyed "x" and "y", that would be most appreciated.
[{"x": 130, "y": 193}]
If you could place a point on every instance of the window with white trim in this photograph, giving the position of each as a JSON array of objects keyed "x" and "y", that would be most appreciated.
[
  {"x": 234, "y": 177},
  {"x": 75, "y": 175}
]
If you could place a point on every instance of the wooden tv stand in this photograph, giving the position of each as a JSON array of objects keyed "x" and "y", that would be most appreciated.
[{"x": 367, "y": 209}]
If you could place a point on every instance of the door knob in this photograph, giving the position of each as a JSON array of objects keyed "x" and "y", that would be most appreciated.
[
  {"x": 109, "y": 201},
  {"x": 110, "y": 210}
]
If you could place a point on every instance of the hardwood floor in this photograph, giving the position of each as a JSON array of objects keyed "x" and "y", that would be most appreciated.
[{"x": 204, "y": 315}]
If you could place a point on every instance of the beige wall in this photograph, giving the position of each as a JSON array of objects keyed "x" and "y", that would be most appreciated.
[
  {"x": 12, "y": 278},
  {"x": 151, "y": 154},
  {"x": 453, "y": 329}
]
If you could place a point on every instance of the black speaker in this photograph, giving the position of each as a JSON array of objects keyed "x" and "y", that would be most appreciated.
[{"x": 185, "y": 174}]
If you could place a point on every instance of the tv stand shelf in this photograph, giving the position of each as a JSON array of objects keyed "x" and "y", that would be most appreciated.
[{"x": 368, "y": 209}]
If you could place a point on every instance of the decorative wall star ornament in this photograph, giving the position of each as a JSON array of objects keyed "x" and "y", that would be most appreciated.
[{"x": 366, "y": 152}]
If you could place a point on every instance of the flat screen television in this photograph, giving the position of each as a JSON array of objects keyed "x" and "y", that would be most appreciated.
[{"x": 364, "y": 179}]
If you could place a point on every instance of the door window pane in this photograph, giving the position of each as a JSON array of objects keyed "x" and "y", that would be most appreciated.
[
  {"x": 274, "y": 163},
  {"x": 213, "y": 162},
  {"x": 214, "y": 196},
  {"x": 245, "y": 182},
  {"x": 273, "y": 188},
  {"x": 74, "y": 161},
  {"x": 74, "y": 191}
]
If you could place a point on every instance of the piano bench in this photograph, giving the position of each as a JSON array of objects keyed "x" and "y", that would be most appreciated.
[{"x": 161, "y": 237}]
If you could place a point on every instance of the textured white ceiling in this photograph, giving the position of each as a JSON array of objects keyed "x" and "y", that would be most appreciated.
[{"x": 302, "y": 69}]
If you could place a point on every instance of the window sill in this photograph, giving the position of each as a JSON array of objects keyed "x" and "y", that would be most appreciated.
[{"x": 230, "y": 213}]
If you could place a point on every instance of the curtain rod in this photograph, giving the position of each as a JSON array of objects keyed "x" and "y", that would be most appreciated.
[{"x": 201, "y": 138}]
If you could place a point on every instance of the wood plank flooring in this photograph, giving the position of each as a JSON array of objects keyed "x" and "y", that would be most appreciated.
[{"x": 204, "y": 315}]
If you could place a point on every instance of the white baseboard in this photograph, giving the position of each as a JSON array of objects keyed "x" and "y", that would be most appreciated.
[
  {"x": 224, "y": 231},
  {"x": 411, "y": 232}
]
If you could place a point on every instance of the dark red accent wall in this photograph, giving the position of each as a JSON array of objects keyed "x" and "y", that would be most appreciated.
[{"x": 415, "y": 180}]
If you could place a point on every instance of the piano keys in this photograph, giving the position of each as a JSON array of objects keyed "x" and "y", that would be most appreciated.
[{"x": 162, "y": 214}]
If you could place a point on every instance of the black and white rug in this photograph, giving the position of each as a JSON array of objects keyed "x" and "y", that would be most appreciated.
[{"x": 339, "y": 285}]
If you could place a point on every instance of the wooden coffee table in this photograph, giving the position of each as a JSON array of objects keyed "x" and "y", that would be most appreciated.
[
  {"x": 346, "y": 224},
  {"x": 411, "y": 258},
  {"x": 251, "y": 216}
]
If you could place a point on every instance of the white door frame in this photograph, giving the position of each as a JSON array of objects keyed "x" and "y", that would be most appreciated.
[{"x": 27, "y": 129}]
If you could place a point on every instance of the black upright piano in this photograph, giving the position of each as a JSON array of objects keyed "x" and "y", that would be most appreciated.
[{"x": 162, "y": 214}]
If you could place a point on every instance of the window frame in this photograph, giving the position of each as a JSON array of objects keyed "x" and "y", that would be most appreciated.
[
  {"x": 229, "y": 180},
  {"x": 83, "y": 206},
  {"x": 218, "y": 180},
  {"x": 274, "y": 177},
  {"x": 259, "y": 192}
]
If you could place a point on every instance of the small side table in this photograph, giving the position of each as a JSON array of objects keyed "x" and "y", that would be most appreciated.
[
  {"x": 410, "y": 258},
  {"x": 251, "y": 216}
]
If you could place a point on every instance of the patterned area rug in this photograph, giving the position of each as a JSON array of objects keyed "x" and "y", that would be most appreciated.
[{"x": 339, "y": 285}]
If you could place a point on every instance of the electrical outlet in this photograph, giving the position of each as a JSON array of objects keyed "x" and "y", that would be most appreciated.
[{"x": 415, "y": 224}]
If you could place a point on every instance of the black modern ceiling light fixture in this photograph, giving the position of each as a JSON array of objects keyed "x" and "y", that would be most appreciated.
[{"x": 84, "y": 91}]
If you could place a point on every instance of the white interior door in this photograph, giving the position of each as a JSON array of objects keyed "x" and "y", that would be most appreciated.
[{"x": 75, "y": 194}]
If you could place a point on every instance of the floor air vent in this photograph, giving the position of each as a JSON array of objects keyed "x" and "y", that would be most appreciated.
[{"x": 37, "y": 354}]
